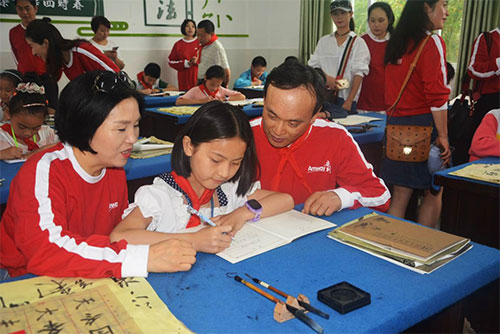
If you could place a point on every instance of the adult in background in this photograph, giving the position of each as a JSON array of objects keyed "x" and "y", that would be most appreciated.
[
  {"x": 25, "y": 60},
  {"x": 424, "y": 101},
  {"x": 65, "y": 201},
  {"x": 100, "y": 26},
  {"x": 314, "y": 160},
  {"x": 73, "y": 57},
  {"x": 380, "y": 23},
  {"x": 212, "y": 52},
  {"x": 344, "y": 69},
  {"x": 184, "y": 56}
]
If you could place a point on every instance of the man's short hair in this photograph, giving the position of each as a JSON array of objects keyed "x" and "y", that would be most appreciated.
[
  {"x": 97, "y": 21},
  {"x": 32, "y": 2},
  {"x": 259, "y": 61},
  {"x": 291, "y": 74},
  {"x": 152, "y": 70},
  {"x": 207, "y": 25}
]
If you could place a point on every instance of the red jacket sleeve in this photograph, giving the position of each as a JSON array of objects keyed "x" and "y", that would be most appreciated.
[
  {"x": 174, "y": 59},
  {"x": 486, "y": 140},
  {"x": 433, "y": 73},
  {"x": 480, "y": 65},
  {"x": 93, "y": 59},
  {"x": 358, "y": 186},
  {"x": 44, "y": 237},
  {"x": 15, "y": 51}
]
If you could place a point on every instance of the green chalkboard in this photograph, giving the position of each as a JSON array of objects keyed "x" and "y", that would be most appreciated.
[{"x": 51, "y": 8}]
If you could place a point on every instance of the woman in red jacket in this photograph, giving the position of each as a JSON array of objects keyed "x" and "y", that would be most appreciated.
[
  {"x": 73, "y": 57},
  {"x": 184, "y": 56},
  {"x": 424, "y": 101}
]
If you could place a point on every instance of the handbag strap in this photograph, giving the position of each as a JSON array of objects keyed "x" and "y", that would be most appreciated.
[
  {"x": 345, "y": 56},
  {"x": 408, "y": 75}
]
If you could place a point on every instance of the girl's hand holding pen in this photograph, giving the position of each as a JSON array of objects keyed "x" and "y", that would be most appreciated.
[{"x": 212, "y": 239}]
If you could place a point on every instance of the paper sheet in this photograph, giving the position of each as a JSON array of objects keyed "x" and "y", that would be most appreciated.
[
  {"x": 271, "y": 232},
  {"x": 355, "y": 120},
  {"x": 482, "y": 172},
  {"x": 75, "y": 305},
  {"x": 167, "y": 93}
]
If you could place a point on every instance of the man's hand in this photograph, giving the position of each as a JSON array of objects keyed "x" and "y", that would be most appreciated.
[
  {"x": 170, "y": 256},
  {"x": 322, "y": 203}
]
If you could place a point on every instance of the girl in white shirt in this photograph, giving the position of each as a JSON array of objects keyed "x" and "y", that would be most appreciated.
[{"x": 214, "y": 166}]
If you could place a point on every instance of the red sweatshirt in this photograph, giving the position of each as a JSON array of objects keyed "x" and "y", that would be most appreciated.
[
  {"x": 328, "y": 159},
  {"x": 182, "y": 52},
  {"x": 85, "y": 58},
  {"x": 371, "y": 97},
  {"x": 484, "y": 66},
  {"x": 486, "y": 140},
  {"x": 23, "y": 55},
  {"x": 427, "y": 90},
  {"x": 58, "y": 220}
]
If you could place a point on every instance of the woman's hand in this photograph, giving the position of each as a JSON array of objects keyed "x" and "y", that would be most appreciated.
[
  {"x": 170, "y": 256},
  {"x": 235, "y": 219},
  {"x": 443, "y": 143},
  {"x": 212, "y": 239}
]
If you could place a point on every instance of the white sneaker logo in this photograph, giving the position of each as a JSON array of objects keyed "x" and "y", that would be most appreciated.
[
  {"x": 113, "y": 206},
  {"x": 326, "y": 168}
]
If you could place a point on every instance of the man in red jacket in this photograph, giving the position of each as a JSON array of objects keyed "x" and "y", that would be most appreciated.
[{"x": 315, "y": 160}]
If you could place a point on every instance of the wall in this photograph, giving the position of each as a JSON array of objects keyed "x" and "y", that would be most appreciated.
[{"x": 256, "y": 27}]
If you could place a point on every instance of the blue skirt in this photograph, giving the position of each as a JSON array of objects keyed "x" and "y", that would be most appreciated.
[{"x": 414, "y": 175}]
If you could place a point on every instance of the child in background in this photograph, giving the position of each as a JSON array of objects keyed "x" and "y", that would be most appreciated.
[
  {"x": 148, "y": 81},
  {"x": 210, "y": 89},
  {"x": 214, "y": 166},
  {"x": 26, "y": 133},
  {"x": 255, "y": 76},
  {"x": 9, "y": 79},
  {"x": 486, "y": 140}
]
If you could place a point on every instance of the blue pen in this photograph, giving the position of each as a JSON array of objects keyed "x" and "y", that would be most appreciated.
[{"x": 203, "y": 217}]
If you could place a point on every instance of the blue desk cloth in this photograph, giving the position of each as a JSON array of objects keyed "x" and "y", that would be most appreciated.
[
  {"x": 160, "y": 101},
  {"x": 250, "y": 110},
  {"x": 134, "y": 169},
  {"x": 446, "y": 172},
  {"x": 207, "y": 301},
  {"x": 7, "y": 172},
  {"x": 372, "y": 135}
]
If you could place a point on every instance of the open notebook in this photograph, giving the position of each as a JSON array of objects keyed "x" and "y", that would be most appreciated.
[{"x": 271, "y": 232}]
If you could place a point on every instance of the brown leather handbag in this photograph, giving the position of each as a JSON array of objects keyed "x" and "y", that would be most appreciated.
[{"x": 408, "y": 143}]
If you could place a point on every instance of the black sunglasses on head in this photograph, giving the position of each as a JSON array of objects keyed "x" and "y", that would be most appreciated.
[{"x": 108, "y": 81}]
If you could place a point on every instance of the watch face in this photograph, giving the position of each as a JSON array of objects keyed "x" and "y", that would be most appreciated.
[{"x": 254, "y": 204}]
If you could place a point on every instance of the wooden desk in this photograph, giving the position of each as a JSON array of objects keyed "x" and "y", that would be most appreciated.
[{"x": 470, "y": 207}]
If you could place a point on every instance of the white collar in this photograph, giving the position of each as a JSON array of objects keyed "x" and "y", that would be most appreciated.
[
  {"x": 376, "y": 39},
  {"x": 79, "y": 169}
]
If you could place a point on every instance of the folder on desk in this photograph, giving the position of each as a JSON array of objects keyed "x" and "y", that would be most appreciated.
[
  {"x": 151, "y": 147},
  {"x": 409, "y": 245}
]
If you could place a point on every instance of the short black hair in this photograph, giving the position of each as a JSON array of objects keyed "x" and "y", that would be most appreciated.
[
  {"x": 184, "y": 24},
  {"x": 14, "y": 76},
  {"x": 291, "y": 58},
  {"x": 218, "y": 120},
  {"x": 152, "y": 70},
  {"x": 259, "y": 61},
  {"x": 215, "y": 71},
  {"x": 32, "y": 2},
  {"x": 97, "y": 21},
  {"x": 207, "y": 25},
  {"x": 83, "y": 108},
  {"x": 292, "y": 74}
]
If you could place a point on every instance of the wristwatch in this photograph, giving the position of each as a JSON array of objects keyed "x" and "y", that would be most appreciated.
[{"x": 254, "y": 206}]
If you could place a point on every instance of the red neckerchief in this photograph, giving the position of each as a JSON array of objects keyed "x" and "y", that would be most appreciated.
[
  {"x": 140, "y": 78},
  {"x": 28, "y": 141},
  {"x": 195, "y": 201},
  {"x": 205, "y": 90},
  {"x": 213, "y": 39},
  {"x": 286, "y": 154}
]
